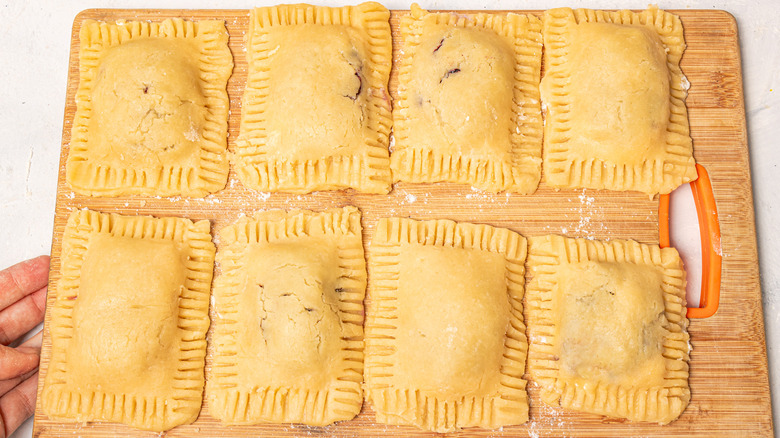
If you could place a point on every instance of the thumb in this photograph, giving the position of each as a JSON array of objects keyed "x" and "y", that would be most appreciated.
[{"x": 15, "y": 362}]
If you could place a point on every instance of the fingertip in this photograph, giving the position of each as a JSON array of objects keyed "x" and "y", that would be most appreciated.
[
  {"x": 17, "y": 361},
  {"x": 32, "y": 357},
  {"x": 23, "y": 279},
  {"x": 31, "y": 354},
  {"x": 39, "y": 298},
  {"x": 40, "y": 262},
  {"x": 34, "y": 342},
  {"x": 35, "y": 269}
]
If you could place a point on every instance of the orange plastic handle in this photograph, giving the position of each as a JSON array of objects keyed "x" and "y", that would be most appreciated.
[{"x": 709, "y": 229}]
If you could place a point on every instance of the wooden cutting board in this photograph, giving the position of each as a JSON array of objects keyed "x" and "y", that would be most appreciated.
[{"x": 728, "y": 378}]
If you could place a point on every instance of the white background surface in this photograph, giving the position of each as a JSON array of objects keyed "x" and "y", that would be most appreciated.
[{"x": 34, "y": 49}]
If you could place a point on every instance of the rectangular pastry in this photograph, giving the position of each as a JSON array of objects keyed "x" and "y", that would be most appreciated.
[
  {"x": 128, "y": 326},
  {"x": 151, "y": 109},
  {"x": 316, "y": 114},
  {"x": 288, "y": 334},
  {"x": 607, "y": 327},
  {"x": 614, "y": 96},
  {"x": 445, "y": 339},
  {"x": 468, "y": 109}
]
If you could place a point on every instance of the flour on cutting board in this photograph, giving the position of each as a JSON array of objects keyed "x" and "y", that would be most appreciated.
[
  {"x": 550, "y": 418},
  {"x": 487, "y": 197},
  {"x": 586, "y": 227}
]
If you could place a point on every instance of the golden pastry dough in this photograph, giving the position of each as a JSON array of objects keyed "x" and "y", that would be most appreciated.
[
  {"x": 445, "y": 340},
  {"x": 468, "y": 109},
  {"x": 152, "y": 109},
  {"x": 128, "y": 326},
  {"x": 607, "y": 327},
  {"x": 615, "y": 101},
  {"x": 316, "y": 114},
  {"x": 288, "y": 335}
]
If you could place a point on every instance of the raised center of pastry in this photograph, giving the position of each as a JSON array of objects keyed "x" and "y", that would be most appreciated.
[
  {"x": 619, "y": 92},
  {"x": 126, "y": 313},
  {"x": 147, "y": 104},
  {"x": 460, "y": 91},
  {"x": 610, "y": 323},
  {"x": 317, "y": 92},
  {"x": 290, "y": 304},
  {"x": 453, "y": 313}
]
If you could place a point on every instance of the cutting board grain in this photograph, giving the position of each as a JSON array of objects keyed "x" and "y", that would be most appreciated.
[{"x": 729, "y": 382}]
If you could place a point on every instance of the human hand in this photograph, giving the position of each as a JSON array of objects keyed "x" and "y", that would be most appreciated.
[{"x": 22, "y": 305}]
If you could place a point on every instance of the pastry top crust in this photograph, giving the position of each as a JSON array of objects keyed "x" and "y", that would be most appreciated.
[
  {"x": 610, "y": 323},
  {"x": 619, "y": 92},
  {"x": 328, "y": 119},
  {"x": 146, "y": 365},
  {"x": 147, "y": 104},
  {"x": 453, "y": 106},
  {"x": 297, "y": 289},
  {"x": 459, "y": 81},
  {"x": 460, "y": 335},
  {"x": 152, "y": 108},
  {"x": 444, "y": 335},
  {"x": 316, "y": 114},
  {"x": 614, "y": 95},
  {"x": 290, "y": 299},
  {"x": 607, "y": 327},
  {"x": 131, "y": 354}
]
